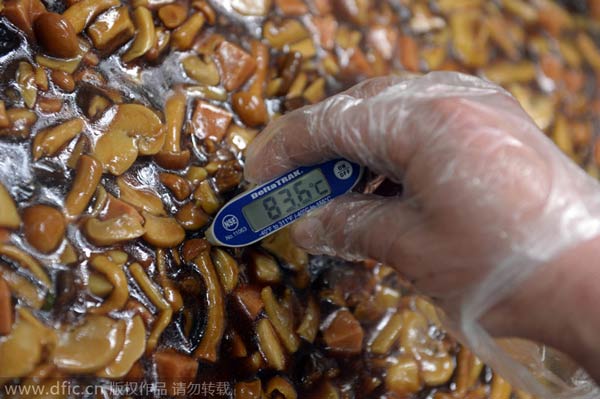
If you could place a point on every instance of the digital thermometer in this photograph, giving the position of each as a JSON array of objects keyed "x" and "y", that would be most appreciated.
[{"x": 255, "y": 214}]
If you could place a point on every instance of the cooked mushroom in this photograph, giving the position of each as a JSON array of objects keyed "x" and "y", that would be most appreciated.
[
  {"x": 281, "y": 319},
  {"x": 89, "y": 172},
  {"x": 49, "y": 141},
  {"x": 116, "y": 277},
  {"x": 22, "y": 350},
  {"x": 157, "y": 300},
  {"x": 145, "y": 37},
  {"x": 9, "y": 217},
  {"x": 90, "y": 346},
  {"x": 133, "y": 349},
  {"x": 111, "y": 231},
  {"x": 134, "y": 129},
  {"x": 6, "y": 308},
  {"x": 44, "y": 227},
  {"x": 215, "y": 323}
]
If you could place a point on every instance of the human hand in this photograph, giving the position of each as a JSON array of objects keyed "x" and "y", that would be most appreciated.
[{"x": 488, "y": 197}]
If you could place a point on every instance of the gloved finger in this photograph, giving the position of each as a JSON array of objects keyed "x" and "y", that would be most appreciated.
[
  {"x": 259, "y": 169},
  {"x": 359, "y": 226},
  {"x": 372, "y": 87},
  {"x": 382, "y": 131}
]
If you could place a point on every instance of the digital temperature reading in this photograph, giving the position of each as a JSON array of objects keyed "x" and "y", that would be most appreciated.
[
  {"x": 287, "y": 200},
  {"x": 273, "y": 205}
]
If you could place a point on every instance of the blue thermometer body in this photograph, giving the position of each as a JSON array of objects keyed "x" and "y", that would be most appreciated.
[{"x": 259, "y": 212}]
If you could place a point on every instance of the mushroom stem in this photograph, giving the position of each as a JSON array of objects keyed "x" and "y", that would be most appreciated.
[{"x": 215, "y": 323}]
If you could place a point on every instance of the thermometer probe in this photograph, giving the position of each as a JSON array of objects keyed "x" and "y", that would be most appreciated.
[{"x": 257, "y": 213}]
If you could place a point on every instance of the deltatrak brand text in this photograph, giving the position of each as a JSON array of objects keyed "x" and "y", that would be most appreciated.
[{"x": 276, "y": 184}]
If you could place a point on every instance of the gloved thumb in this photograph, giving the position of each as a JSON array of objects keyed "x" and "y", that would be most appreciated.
[{"x": 358, "y": 226}]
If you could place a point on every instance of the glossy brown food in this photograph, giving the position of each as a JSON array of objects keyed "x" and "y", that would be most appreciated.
[{"x": 123, "y": 126}]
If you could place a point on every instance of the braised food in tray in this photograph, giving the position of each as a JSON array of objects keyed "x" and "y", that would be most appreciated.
[{"x": 123, "y": 126}]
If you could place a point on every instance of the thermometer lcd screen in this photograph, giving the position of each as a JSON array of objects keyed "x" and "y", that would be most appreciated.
[{"x": 286, "y": 200}]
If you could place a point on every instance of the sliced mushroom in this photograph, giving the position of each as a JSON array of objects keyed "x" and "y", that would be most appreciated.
[
  {"x": 108, "y": 207},
  {"x": 6, "y": 308},
  {"x": 163, "y": 38},
  {"x": 284, "y": 33},
  {"x": 177, "y": 184},
  {"x": 403, "y": 378},
  {"x": 116, "y": 277},
  {"x": 142, "y": 200},
  {"x": 468, "y": 371},
  {"x": 49, "y": 141},
  {"x": 9, "y": 216},
  {"x": 28, "y": 262},
  {"x": 281, "y": 245},
  {"x": 133, "y": 349},
  {"x": 436, "y": 369},
  {"x": 20, "y": 122},
  {"x": 171, "y": 155},
  {"x": 387, "y": 335},
  {"x": 269, "y": 345},
  {"x": 209, "y": 201},
  {"x": 191, "y": 217},
  {"x": 153, "y": 294},
  {"x": 63, "y": 80},
  {"x": 4, "y": 122},
  {"x": 238, "y": 347},
  {"x": 239, "y": 137},
  {"x": 315, "y": 92},
  {"x": 173, "y": 15},
  {"x": 281, "y": 319},
  {"x": 264, "y": 268},
  {"x": 309, "y": 327},
  {"x": 470, "y": 36},
  {"x": 414, "y": 331},
  {"x": 134, "y": 129},
  {"x": 183, "y": 37},
  {"x": 227, "y": 269},
  {"x": 250, "y": 104},
  {"x": 111, "y": 29},
  {"x": 98, "y": 104},
  {"x": 248, "y": 389},
  {"x": 203, "y": 71},
  {"x": 145, "y": 37},
  {"x": 500, "y": 388},
  {"x": 21, "y": 351},
  {"x": 90, "y": 346},
  {"x": 99, "y": 285},
  {"x": 89, "y": 173},
  {"x": 172, "y": 294},
  {"x": 162, "y": 232},
  {"x": 249, "y": 300},
  {"x": 26, "y": 81},
  {"x": 66, "y": 65},
  {"x": 81, "y": 13},
  {"x": 108, "y": 232},
  {"x": 196, "y": 174},
  {"x": 215, "y": 323},
  {"x": 22, "y": 288},
  {"x": 69, "y": 254},
  {"x": 252, "y": 7}
]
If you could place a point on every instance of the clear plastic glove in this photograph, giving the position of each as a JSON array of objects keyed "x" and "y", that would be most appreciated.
[{"x": 488, "y": 197}]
